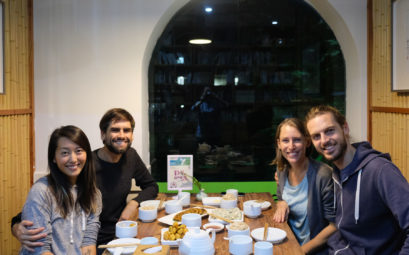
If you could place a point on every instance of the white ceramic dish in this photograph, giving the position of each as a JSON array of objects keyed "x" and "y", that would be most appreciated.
[
  {"x": 213, "y": 220},
  {"x": 168, "y": 219},
  {"x": 152, "y": 202},
  {"x": 167, "y": 242},
  {"x": 212, "y": 201},
  {"x": 126, "y": 250},
  {"x": 234, "y": 232},
  {"x": 264, "y": 205},
  {"x": 274, "y": 235},
  {"x": 208, "y": 225}
]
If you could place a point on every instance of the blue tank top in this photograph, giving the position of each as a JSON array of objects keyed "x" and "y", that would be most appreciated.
[{"x": 297, "y": 199}]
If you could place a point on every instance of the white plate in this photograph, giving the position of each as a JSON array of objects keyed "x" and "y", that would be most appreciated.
[
  {"x": 213, "y": 220},
  {"x": 211, "y": 201},
  {"x": 221, "y": 226},
  {"x": 126, "y": 250},
  {"x": 264, "y": 206},
  {"x": 168, "y": 219},
  {"x": 274, "y": 235},
  {"x": 167, "y": 242},
  {"x": 152, "y": 202}
]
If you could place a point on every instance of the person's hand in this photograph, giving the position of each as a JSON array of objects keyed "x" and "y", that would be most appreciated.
[
  {"x": 129, "y": 213},
  {"x": 28, "y": 237},
  {"x": 276, "y": 177},
  {"x": 282, "y": 211}
]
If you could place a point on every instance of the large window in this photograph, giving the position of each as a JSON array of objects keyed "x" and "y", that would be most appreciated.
[{"x": 221, "y": 101}]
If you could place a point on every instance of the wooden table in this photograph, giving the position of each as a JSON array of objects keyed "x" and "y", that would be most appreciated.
[{"x": 289, "y": 246}]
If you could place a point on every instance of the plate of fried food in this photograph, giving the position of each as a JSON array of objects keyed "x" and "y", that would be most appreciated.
[
  {"x": 171, "y": 236},
  {"x": 171, "y": 218}
]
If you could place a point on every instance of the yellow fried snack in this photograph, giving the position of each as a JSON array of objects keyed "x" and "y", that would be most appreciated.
[
  {"x": 178, "y": 217},
  {"x": 175, "y": 232}
]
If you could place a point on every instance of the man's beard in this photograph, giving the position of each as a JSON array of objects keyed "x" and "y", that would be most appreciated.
[
  {"x": 342, "y": 151},
  {"x": 114, "y": 150}
]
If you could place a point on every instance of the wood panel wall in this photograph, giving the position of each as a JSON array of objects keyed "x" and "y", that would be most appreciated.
[
  {"x": 388, "y": 115},
  {"x": 16, "y": 118}
]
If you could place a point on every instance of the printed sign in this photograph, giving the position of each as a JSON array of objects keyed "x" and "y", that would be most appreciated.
[{"x": 180, "y": 167}]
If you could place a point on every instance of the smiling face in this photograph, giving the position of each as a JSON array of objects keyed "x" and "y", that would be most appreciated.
[
  {"x": 328, "y": 137},
  {"x": 70, "y": 158},
  {"x": 293, "y": 145},
  {"x": 118, "y": 137}
]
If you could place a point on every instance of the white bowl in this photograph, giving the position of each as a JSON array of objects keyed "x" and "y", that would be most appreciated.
[
  {"x": 152, "y": 202},
  {"x": 126, "y": 250},
  {"x": 240, "y": 245},
  {"x": 192, "y": 220},
  {"x": 126, "y": 229},
  {"x": 234, "y": 232},
  {"x": 228, "y": 203},
  {"x": 173, "y": 206},
  {"x": 264, "y": 204},
  {"x": 147, "y": 215},
  {"x": 211, "y": 201},
  {"x": 274, "y": 235},
  {"x": 214, "y": 225}
]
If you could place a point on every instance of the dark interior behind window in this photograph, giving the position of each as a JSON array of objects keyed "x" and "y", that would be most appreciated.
[{"x": 222, "y": 101}]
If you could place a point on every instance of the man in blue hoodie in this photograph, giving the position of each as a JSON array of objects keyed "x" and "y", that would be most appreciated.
[{"x": 372, "y": 195}]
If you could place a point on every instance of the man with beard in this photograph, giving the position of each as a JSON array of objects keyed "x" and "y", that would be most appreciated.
[
  {"x": 372, "y": 211},
  {"x": 116, "y": 165}
]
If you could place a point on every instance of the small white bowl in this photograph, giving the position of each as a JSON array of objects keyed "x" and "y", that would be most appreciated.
[
  {"x": 212, "y": 201},
  {"x": 173, "y": 206},
  {"x": 216, "y": 226},
  {"x": 152, "y": 202},
  {"x": 126, "y": 229},
  {"x": 228, "y": 203},
  {"x": 234, "y": 232},
  {"x": 192, "y": 220},
  {"x": 147, "y": 215},
  {"x": 126, "y": 250},
  {"x": 150, "y": 240}
]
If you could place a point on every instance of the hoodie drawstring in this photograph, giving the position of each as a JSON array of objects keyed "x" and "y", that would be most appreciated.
[
  {"x": 83, "y": 220},
  {"x": 357, "y": 193},
  {"x": 335, "y": 196},
  {"x": 72, "y": 228}
]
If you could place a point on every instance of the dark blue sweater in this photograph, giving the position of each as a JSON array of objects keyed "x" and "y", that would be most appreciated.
[{"x": 372, "y": 206}]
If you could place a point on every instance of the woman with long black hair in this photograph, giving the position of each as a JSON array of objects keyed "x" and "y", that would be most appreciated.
[{"x": 67, "y": 201}]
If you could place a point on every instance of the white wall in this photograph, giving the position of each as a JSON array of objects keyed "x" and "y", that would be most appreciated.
[
  {"x": 92, "y": 55},
  {"x": 347, "y": 19}
]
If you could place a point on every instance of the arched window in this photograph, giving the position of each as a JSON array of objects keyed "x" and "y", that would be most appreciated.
[{"x": 221, "y": 101}]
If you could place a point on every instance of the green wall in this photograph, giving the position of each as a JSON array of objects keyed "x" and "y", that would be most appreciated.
[{"x": 217, "y": 187}]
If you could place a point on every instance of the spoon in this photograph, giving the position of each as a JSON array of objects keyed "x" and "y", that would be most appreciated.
[{"x": 265, "y": 231}]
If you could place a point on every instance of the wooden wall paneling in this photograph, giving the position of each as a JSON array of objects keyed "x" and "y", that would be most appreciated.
[
  {"x": 16, "y": 117},
  {"x": 382, "y": 58},
  {"x": 15, "y": 175},
  {"x": 391, "y": 135},
  {"x": 17, "y": 56},
  {"x": 388, "y": 112}
]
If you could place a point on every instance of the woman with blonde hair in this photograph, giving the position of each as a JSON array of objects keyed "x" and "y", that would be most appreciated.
[{"x": 305, "y": 188}]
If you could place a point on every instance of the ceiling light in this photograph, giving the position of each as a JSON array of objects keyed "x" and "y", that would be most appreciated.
[
  {"x": 274, "y": 22},
  {"x": 208, "y": 9},
  {"x": 200, "y": 41}
]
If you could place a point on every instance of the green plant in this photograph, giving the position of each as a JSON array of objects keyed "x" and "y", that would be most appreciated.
[{"x": 195, "y": 181}]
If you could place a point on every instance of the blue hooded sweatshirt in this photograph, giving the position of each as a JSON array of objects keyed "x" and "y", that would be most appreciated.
[{"x": 372, "y": 199}]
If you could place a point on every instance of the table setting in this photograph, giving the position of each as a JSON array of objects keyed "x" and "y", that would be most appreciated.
[{"x": 239, "y": 225}]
